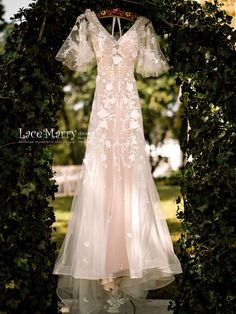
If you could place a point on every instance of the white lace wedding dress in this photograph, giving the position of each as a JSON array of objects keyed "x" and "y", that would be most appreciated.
[{"x": 117, "y": 236}]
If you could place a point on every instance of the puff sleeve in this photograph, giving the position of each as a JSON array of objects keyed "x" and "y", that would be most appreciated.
[
  {"x": 150, "y": 59},
  {"x": 77, "y": 51}
]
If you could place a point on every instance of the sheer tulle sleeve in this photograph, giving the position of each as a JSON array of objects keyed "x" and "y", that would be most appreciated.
[
  {"x": 150, "y": 60},
  {"x": 77, "y": 51}
]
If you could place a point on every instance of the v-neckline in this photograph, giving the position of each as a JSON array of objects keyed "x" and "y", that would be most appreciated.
[{"x": 106, "y": 31}]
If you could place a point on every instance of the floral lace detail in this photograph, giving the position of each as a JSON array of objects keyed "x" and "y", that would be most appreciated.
[
  {"x": 115, "y": 302},
  {"x": 115, "y": 132},
  {"x": 77, "y": 51},
  {"x": 151, "y": 60}
]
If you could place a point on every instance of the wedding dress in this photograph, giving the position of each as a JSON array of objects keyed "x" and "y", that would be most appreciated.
[{"x": 117, "y": 245}]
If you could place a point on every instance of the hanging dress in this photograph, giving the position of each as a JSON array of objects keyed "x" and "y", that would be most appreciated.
[{"x": 117, "y": 245}]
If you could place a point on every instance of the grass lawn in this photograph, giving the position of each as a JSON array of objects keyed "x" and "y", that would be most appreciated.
[{"x": 168, "y": 196}]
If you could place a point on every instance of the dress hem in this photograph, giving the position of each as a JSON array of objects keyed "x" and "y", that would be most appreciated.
[{"x": 174, "y": 269}]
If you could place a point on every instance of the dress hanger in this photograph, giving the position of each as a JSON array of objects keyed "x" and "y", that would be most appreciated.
[{"x": 117, "y": 12}]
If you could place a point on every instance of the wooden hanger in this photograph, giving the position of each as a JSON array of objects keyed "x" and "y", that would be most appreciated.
[{"x": 117, "y": 12}]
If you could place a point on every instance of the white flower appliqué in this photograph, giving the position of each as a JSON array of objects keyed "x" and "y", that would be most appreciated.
[
  {"x": 108, "y": 144},
  {"x": 116, "y": 56},
  {"x": 129, "y": 87},
  {"x": 109, "y": 86},
  {"x": 85, "y": 260},
  {"x": 115, "y": 302},
  {"x": 134, "y": 114},
  {"x": 117, "y": 59},
  {"x": 129, "y": 235},
  {"x": 134, "y": 124},
  {"x": 102, "y": 113}
]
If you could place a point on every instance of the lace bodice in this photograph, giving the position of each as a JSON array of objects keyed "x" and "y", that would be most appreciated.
[
  {"x": 116, "y": 126},
  {"x": 89, "y": 43}
]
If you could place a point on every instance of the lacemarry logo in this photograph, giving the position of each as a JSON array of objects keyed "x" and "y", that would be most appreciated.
[{"x": 46, "y": 134}]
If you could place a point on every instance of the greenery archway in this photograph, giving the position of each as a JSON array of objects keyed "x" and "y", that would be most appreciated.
[{"x": 202, "y": 55}]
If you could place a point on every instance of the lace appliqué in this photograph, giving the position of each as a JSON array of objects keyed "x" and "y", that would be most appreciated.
[
  {"x": 77, "y": 51},
  {"x": 151, "y": 60},
  {"x": 115, "y": 302},
  {"x": 115, "y": 131}
]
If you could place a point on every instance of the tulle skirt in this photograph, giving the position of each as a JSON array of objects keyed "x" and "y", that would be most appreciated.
[{"x": 117, "y": 245}]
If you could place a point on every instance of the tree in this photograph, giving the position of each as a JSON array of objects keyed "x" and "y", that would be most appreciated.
[
  {"x": 3, "y": 26},
  {"x": 2, "y": 21}
]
